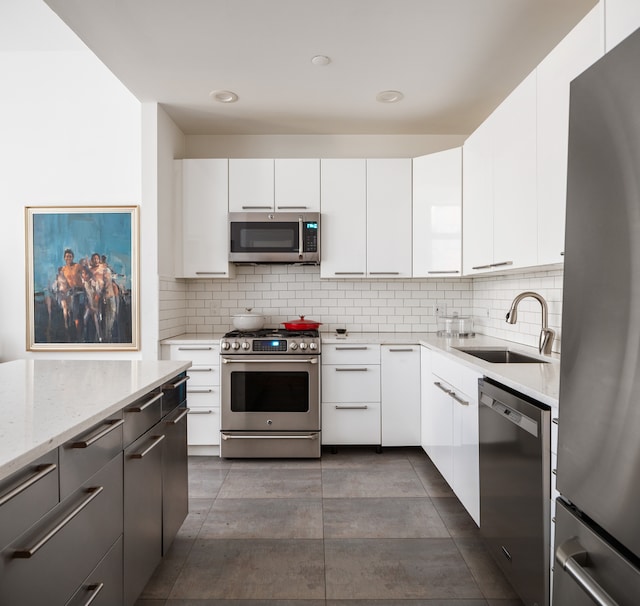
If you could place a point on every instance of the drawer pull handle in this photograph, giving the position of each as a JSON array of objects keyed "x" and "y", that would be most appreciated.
[
  {"x": 555, "y": 420},
  {"x": 384, "y": 273},
  {"x": 406, "y": 349},
  {"x": 443, "y": 388},
  {"x": 95, "y": 589},
  {"x": 292, "y": 207},
  {"x": 458, "y": 399},
  {"x": 29, "y": 553},
  {"x": 201, "y": 390},
  {"x": 182, "y": 415},
  {"x": 351, "y": 369},
  {"x": 445, "y": 271},
  {"x": 201, "y": 369},
  {"x": 349, "y": 273},
  {"x": 145, "y": 405},
  {"x": 41, "y": 472},
  {"x": 146, "y": 451},
  {"x": 363, "y": 407},
  {"x": 101, "y": 434},
  {"x": 211, "y": 273},
  {"x": 200, "y": 412},
  {"x": 257, "y": 207},
  {"x": 361, "y": 348},
  {"x": 170, "y": 386},
  {"x": 195, "y": 348}
]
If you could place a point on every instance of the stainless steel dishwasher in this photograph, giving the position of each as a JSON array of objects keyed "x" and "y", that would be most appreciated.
[{"x": 515, "y": 487}]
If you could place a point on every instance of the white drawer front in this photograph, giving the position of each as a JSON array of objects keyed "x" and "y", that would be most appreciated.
[
  {"x": 205, "y": 353},
  {"x": 351, "y": 353},
  {"x": 203, "y": 426},
  {"x": 204, "y": 374},
  {"x": 354, "y": 423},
  {"x": 351, "y": 383}
]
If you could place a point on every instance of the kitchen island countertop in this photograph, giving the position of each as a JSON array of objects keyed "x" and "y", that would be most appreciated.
[{"x": 47, "y": 402}]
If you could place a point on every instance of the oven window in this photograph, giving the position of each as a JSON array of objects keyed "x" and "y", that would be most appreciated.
[
  {"x": 269, "y": 391},
  {"x": 264, "y": 237}
]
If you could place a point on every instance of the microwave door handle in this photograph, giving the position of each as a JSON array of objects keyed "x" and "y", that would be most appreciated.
[{"x": 300, "y": 239}]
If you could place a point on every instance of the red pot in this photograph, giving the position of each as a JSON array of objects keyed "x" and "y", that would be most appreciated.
[{"x": 301, "y": 324}]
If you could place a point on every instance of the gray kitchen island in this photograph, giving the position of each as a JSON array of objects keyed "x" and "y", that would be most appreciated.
[{"x": 93, "y": 477}]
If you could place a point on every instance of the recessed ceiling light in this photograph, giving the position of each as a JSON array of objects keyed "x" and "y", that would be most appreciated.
[
  {"x": 320, "y": 60},
  {"x": 389, "y": 96},
  {"x": 223, "y": 96}
]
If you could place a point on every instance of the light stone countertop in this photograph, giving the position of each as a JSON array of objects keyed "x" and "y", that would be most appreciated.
[
  {"x": 539, "y": 381},
  {"x": 47, "y": 402}
]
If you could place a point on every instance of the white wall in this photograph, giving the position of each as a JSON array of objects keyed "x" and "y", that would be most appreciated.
[{"x": 70, "y": 135}]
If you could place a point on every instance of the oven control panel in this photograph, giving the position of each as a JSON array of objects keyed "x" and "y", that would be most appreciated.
[{"x": 269, "y": 345}]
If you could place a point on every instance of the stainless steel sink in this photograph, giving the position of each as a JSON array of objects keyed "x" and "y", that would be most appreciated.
[{"x": 501, "y": 356}]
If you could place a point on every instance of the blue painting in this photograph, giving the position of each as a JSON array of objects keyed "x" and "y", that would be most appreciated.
[{"x": 82, "y": 291}]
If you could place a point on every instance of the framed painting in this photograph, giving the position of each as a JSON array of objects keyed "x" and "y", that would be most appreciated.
[{"x": 82, "y": 278}]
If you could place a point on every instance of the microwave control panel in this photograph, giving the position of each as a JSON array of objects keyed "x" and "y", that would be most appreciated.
[{"x": 310, "y": 236}]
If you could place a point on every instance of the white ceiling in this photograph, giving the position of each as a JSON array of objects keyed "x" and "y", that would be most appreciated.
[{"x": 454, "y": 60}]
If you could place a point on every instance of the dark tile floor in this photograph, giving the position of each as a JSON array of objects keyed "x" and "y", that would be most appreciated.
[{"x": 354, "y": 528}]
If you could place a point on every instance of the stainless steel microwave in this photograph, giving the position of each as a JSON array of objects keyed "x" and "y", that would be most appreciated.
[{"x": 272, "y": 237}]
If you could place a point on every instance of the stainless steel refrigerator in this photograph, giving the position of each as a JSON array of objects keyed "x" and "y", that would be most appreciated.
[{"x": 597, "y": 543}]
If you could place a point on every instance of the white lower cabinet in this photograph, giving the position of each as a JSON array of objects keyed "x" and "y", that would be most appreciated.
[
  {"x": 351, "y": 394},
  {"x": 400, "y": 395},
  {"x": 203, "y": 392},
  {"x": 450, "y": 427}
]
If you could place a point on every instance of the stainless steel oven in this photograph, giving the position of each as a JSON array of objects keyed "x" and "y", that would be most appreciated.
[{"x": 270, "y": 394}]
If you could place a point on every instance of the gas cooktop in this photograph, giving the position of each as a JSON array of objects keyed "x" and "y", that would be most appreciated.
[{"x": 272, "y": 332}]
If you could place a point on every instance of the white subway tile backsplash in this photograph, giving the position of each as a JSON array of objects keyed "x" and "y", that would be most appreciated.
[{"x": 283, "y": 292}]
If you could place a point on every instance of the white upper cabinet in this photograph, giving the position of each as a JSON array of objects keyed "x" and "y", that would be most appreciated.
[
  {"x": 437, "y": 214},
  {"x": 251, "y": 185},
  {"x": 297, "y": 185},
  {"x": 622, "y": 17},
  {"x": 583, "y": 46},
  {"x": 283, "y": 185},
  {"x": 389, "y": 218},
  {"x": 343, "y": 230},
  {"x": 514, "y": 179},
  {"x": 202, "y": 247},
  {"x": 477, "y": 200}
]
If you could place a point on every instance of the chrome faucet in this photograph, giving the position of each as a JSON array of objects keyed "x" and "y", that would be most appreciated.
[{"x": 546, "y": 334}]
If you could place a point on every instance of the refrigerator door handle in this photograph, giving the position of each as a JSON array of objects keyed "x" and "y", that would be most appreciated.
[{"x": 573, "y": 558}]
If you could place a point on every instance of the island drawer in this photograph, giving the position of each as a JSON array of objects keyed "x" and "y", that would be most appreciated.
[
  {"x": 143, "y": 414},
  {"x": 174, "y": 393},
  {"x": 88, "y": 452},
  {"x": 27, "y": 495},
  {"x": 47, "y": 563}
]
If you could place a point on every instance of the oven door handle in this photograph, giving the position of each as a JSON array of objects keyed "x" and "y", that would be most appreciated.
[
  {"x": 311, "y": 436},
  {"x": 241, "y": 361}
]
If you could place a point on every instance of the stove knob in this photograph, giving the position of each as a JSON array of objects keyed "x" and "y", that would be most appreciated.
[
  {"x": 236, "y": 345},
  {"x": 303, "y": 346},
  {"x": 313, "y": 346},
  {"x": 293, "y": 346},
  {"x": 225, "y": 345},
  {"x": 246, "y": 345}
]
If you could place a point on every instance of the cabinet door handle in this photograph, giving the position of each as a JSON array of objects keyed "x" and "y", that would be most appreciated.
[
  {"x": 40, "y": 472},
  {"x": 351, "y": 369},
  {"x": 351, "y": 348},
  {"x": 348, "y": 273},
  {"x": 145, "y": 405},
  {"x": 502, "y": 264},
  {"x": 458, "y": 399},
  {"x": 199, "y": 390},
  {"x": 384, "y": 273},
  {"x": 257, "y": 207},
  {"x": 169, "y": 386},
  {"x": 555, "y": 420},
  {"x": 291, "y": 207},
  {"x": 95, "y": 589},
  {"x": 443, "y": 388},
  {"x": 447, "y": 271},
  {"x": 195, "y": 347},
  {"x": 406, "y": 349},
  {"x": 182, "y": 415},
  {"x": 211, "y": 273},
  {"x": 488, "y": 266},
  {"x": 111, "y": 425},
  {"x": 201, "y": 369},
  {"x": 31, "y": 551},
  {"x": 363, "y": 407},
  {"x": 146, "y": 451},
  {"x": 200, "y": 412}
]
